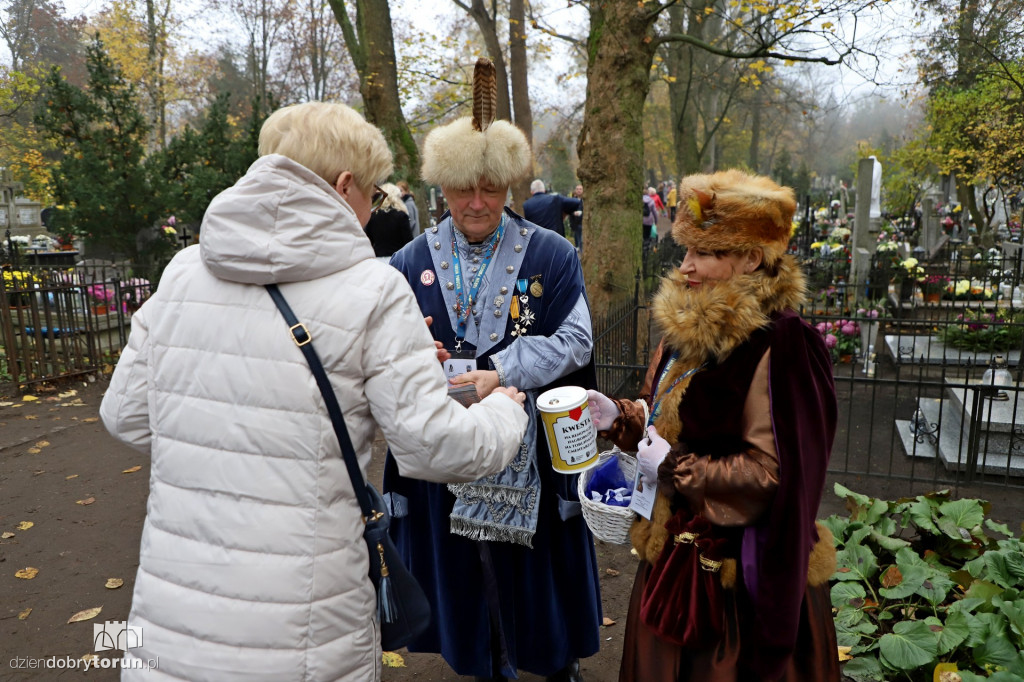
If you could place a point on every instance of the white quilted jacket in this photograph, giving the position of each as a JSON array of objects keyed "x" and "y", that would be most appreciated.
[{"x": 252, "y": 564}]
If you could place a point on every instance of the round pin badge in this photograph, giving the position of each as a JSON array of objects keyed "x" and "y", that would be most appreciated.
[{"x": 427, "y": 278}]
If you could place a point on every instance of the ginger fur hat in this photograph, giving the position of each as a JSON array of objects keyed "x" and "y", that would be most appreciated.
[
  {"x": 734, "y": 211},
  {"x": 459, "y": 154}
]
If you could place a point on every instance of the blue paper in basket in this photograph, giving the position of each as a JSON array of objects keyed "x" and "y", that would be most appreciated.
[{"x": 608, "y": 477}]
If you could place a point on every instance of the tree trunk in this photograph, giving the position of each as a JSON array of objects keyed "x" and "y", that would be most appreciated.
[
  {"x": 680, "y": 92},
  {"x": 372, "y": 46},
  {"x": 755, "y": 135},
  {"x": 611, "y": 144},
  {"x": 520, "y": 89}
]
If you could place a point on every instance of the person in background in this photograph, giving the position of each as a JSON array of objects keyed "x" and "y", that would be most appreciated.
[
  {"x": 253, "y": 564},
  {"x": 549, "y": 210},
  {"x": 388, "y": 228},
  {"x": 576, "y": 220},
  {"x": 650, "y": 216},
  {"x": 735, "y": 424},
  {"x": 410, "y": 207},
  {"x": 670, "y": 201},
  {"x": 507, "y": 561}
]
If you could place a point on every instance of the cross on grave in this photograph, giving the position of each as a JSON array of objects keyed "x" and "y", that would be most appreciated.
[{"x": 185, "y": 237}]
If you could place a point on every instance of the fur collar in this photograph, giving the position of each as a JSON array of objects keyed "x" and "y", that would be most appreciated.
[{"x": 710, "y": 322}]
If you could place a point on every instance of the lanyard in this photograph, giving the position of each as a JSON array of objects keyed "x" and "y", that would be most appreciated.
[
  {"x": 656, "y": 412},
  {"x": 462, "y": 310}
]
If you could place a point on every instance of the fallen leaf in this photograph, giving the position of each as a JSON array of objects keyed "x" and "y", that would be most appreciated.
[
  {"x": 34, "y": 451},
  {"x": 28, "y": 398},
  {"x": 88, "y": 500},
  {"x": 68, "y": 478},
  {"x": 91, "y": 659},
  {"x": 67, "y": 394},
  {"x": 42, "y": 443},
  {"x": 844, "y": 653},
  {"x": 392, "y": 660},
  {"x": 31, "y": 416},
  {"x": 39, "y": 473},
  {"x": 6, "y": 404},
  {"x": 607, "y": 622},
  {"x": 24, "y": 614},
  {"x": 611, "y": 571},
  {"x": 27, "y": 573},
  {"x": 25, "y": 525},
  {"x": 7, "y": 535},
  {"x": 132, "y": 470},
  {"x": 88, "y": 420},
  {"x": 85, "y": 615},
  {"x": 113, "y": 583}
]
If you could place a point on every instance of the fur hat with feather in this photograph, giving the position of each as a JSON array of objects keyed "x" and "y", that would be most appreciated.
[
  {"x": 459, "y": 154},
  {"x": 734, "y": 211}
]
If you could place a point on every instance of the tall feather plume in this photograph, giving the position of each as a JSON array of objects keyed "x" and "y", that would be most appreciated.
[{"x": 485, "y": 94}]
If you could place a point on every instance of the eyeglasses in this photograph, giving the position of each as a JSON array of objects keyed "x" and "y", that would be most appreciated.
[{"x": 377, "y": 199}]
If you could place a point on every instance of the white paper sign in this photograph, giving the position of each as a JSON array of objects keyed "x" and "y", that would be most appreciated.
[{"x": 644, "y": 492}]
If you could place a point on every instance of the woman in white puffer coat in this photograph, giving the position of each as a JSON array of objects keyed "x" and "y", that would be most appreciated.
[{"x": 252, "y": 565}]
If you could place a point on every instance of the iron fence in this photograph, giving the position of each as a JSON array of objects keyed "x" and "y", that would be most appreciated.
[
  {"x": 58, "y": 322},
  {"x": 930, "y": 394}
]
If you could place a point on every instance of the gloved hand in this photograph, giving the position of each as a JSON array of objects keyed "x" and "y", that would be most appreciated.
[
  {"x": 603, "y": 410},
  {"x": 650, "y": 452}
]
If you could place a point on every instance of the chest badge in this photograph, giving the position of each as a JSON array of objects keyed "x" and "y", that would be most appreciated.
[{"x": 427, "y": 278}]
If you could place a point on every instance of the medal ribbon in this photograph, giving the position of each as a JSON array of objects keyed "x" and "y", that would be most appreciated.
[
  {"x": 656, "y": 411},
  {"x": 462, "y": 310}
]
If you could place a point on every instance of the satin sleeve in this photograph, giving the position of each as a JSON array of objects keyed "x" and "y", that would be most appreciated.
[
  {"x": 629, "y": 427},
  {"x": 735, "y": 489}
]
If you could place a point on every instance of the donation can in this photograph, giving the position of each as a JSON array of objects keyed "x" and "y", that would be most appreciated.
[{"x": 570, "y": 432}]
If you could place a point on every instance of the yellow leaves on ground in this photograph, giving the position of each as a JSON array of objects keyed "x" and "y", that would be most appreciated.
[
  {"x": 38, "y": 447},
  {"x": 68, "y": 478},
  {"x": 88, "y": 500},
  {"x": 25, "y": 525},
  {"x": 85, "y": 615},
  {"x": 611, "y": 571},
  {"x": 6, "y": 535},
  {"x": 132, "y": 470},
  {"x": 27, "y": 573},
  {"x": 67, "y": 394},
  {"x": 946, "y": 672},
  {"x": 392, "y": 660},
  {"x": 24, "y": 614},
  {"x": 89, "y": 420},
  {"x": 31, "y": 416},
  {"x": 28, "y": 398},
  {"x": 844, "y": 653},
  {"x": 113, "y": 583},
  {"x": 607, "y": 622}
]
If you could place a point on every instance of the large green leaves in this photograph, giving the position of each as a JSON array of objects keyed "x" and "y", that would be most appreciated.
[
  {"x": 911, "y": 644},
  {"x": 856, "y": 562}
]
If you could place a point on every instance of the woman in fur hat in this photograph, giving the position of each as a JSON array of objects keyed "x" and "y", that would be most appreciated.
[{"x": 736, "y": 425}]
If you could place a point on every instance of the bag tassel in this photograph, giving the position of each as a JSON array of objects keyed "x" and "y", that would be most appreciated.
[{"x": 385, "y": 596}]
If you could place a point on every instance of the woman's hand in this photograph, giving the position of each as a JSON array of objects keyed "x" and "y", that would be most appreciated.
[
  {"x": 603, "y": 410},
  {"x": 650, "y": 452},
  {"x": 513, "y": 393},
  {"x": 485, "y": 380}
]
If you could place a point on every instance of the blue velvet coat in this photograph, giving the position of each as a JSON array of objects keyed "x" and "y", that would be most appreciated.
[{"x": 545, "y": 601}]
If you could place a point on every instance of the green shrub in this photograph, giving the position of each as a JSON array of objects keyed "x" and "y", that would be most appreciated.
[{"x": 922, "y": 582}]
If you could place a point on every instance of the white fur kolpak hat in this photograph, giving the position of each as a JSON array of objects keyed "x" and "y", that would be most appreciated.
[{"x": 459, "y": 154}]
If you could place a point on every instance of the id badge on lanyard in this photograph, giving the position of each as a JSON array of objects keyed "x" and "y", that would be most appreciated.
[{"x": 459, "y": 363}]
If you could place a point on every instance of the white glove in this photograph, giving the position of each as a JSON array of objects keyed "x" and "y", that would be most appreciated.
[
  {"x": 603, "y": 410},
  {"x": 650, "y": 452}
]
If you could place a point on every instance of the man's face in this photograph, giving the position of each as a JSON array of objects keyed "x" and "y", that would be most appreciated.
[
  {"x": 476, "y": 211},
  {"x": 578, "y": 191}
]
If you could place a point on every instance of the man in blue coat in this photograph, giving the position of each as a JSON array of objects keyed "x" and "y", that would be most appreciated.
[
  {"x": 507, "y": 561},
  {"x": 549, "y": 210}
]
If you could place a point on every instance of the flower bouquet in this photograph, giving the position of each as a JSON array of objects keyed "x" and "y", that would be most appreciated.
[
  {"x": 842, "y": 338},
  {"x": 934, "y": 286},
  {"x": 968, "y": 290},
  {"x": 100, "y": 298},
  {"x": 984, "y": 331}
]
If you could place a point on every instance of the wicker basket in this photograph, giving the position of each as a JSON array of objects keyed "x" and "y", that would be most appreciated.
[{"x": 608, "y": 522}]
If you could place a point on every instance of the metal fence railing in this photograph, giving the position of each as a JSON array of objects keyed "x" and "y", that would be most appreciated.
[{"x": 58, "y": 322}]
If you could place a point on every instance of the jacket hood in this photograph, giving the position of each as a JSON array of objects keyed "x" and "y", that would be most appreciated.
[{"x": 280, "y": 222}]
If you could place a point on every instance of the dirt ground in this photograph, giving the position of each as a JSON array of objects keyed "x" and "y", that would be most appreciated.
[{"x": 85, "y": 496}]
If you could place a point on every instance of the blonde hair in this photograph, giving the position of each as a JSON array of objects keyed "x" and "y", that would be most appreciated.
[
  {"x": 393, "y": 201},
  {"x": 328, "y": 138}
]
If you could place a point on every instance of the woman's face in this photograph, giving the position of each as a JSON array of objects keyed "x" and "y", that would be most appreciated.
[{"x": 706, "y": 267}]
